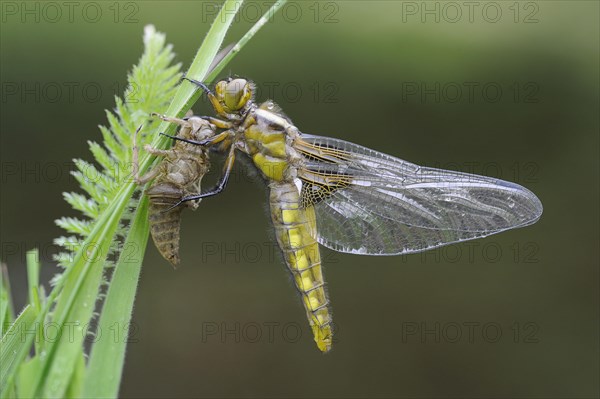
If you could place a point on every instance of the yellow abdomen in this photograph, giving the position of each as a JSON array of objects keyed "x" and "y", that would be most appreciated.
[{"x": 295, "y": 228}]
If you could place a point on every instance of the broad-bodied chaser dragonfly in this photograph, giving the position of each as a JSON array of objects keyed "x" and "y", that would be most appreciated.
[{"x": 351, "y": 198}]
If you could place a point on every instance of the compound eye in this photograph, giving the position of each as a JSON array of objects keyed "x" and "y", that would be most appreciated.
[
  {"x": 220, "y": 89},
  {"x": 234, "y": 93}
]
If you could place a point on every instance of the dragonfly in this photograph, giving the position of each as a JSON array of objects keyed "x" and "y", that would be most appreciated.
[{"x": 350, "y": 198}]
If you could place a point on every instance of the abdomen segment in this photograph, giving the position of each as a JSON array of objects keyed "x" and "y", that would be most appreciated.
[{"x": 165, "y": 222}]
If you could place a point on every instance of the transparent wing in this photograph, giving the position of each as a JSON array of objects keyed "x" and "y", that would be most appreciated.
[{"x": 368, "y": 202}]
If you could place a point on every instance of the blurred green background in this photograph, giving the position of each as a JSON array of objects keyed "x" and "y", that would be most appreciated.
[{"x": 508, "y": 89}]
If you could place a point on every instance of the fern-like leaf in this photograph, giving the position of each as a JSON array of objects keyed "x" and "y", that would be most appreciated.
[{"x": 151, "y": 86}]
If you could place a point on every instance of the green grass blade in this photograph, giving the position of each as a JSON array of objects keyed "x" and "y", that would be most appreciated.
[
  {"x": 5, "y": 318},
  {"x": 73, "y": 312},
  {"x": 6, "y": 307},
  {"x": 77, "y": 378},
  {"x": 107, "y": 356},
  {"x": 33, "y": 283},
  {"x": 33, "y": 277},
  {"x": 242, "y": 42},
  {"x": 14, "y": 346},
  {"x": 26, "y": 376},
  {"x": 213, "y": 40}
]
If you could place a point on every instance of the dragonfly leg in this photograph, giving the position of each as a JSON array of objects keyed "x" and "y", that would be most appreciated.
[
  {"x": 207, "y": 142},
  {"x": 147, "y": 177},
  {"x": 211, "y": 97},
  {"x": 165, "y": 118},
  {"x": 227, "y": 168},
  {"x": 249, "y": 121},
  {"x": 136, "y": 164},
  {"x": 198, "y": 83},
  {"x": 218, "y": 122},
  {"x": 150, "y": 175},
  {"x": 221, "y": 124},
  {"x": 156, "y": 151}
]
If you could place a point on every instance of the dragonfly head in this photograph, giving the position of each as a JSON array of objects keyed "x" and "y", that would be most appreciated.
[{"x": 234, "y": 94}]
